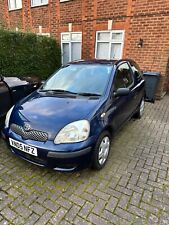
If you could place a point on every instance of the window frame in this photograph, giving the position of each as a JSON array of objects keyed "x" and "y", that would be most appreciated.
[
  {"x": 64, "y": 1},
  {"x": 43, "y": 34},
  {"x": 16, "y": 8},
  {"x": 36, "y": 5},
  {"x": 115, "y": 75},
  {"x": 69, "y": 42},
  {"x": 110, "y": 42}
]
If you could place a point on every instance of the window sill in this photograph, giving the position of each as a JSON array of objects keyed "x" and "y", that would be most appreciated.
[
  {"x": 64, "y": 1},
  {"x": 14, "y": 9},
  {"x": 33, "y": 6},
  {"x": 43, "y": 34}
]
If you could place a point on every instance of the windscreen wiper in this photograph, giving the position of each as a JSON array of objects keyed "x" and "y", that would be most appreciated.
[
  {"x": 59, "y": 91},
  {"x": 88, "y": 94}
]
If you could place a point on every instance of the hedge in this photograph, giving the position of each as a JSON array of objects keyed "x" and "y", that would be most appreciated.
[{"x": 27, "y": 54}]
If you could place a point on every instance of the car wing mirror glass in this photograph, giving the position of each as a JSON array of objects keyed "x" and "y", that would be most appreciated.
[{"x": 121, "y": 92}]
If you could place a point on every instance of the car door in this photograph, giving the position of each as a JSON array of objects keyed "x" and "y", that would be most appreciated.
[
  {"x": 122, "y": 106},
  {"x": 5, "y": 98}
]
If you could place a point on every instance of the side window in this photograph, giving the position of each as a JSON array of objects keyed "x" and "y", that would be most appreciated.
[
  {"x": 136, "y": 70},
  {"x": 123, "y": 77}
]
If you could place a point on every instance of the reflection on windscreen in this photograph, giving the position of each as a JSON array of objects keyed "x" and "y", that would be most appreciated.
[{"x": 80, "y": 79}]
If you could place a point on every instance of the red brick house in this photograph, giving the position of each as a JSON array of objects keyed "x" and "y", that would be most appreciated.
[{"x": 137, "y": 29}]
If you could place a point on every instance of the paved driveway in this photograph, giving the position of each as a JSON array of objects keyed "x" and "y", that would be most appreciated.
[{"x": 133, "y": 188}]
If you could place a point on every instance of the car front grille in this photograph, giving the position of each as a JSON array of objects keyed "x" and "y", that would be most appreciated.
[{"x": 35, "y": 135}]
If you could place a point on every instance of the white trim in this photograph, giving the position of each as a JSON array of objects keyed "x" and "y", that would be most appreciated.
[
  {"x": 110, "y": 41},
  {"x": 64, "y": 0},
  {"x": 14, "y": 9},
  {"x": 33, "y": 6},
  {"x": 44, "y": 34}
]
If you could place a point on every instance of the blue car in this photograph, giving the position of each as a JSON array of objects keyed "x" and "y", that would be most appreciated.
[{"x": 68, "y": 122}]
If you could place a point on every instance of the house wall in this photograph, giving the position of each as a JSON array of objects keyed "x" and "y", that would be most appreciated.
[
  {"x": 150, "y": 21},
  {"x": 145, "y": 19},
  {"x": 3, "y": 19}
]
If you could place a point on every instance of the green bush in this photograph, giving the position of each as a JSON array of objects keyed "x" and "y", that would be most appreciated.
[{"x": 26, "y": 54}]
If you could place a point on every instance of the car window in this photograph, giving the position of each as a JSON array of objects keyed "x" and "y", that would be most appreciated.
[
  {"x": 136, "y": 70},
  {"x": 82, "y": 78},
  {"x": 123, "y": 77}
]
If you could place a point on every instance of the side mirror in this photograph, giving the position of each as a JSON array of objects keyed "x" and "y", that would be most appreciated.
[{"x": 122, "y": 92}]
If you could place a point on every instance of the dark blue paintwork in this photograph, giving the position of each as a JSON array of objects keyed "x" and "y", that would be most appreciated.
[{"x": 52, "y": 113}]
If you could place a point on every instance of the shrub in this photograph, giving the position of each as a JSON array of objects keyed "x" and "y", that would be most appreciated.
[{"x": 26, "y": 54}]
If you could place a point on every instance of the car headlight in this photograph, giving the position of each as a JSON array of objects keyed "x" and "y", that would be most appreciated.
[
  {"x": 8, "y": 117},
  {"x": 74, "y": 132}
]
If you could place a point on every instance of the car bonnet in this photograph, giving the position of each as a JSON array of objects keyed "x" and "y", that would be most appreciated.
[{"x": 51, "y": 114}]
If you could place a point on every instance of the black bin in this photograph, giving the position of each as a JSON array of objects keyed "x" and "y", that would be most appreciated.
[{"x": 151, "y": 83}]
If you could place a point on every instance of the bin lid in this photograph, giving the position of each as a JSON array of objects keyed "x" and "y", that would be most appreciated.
[{"x": 151, "y": 74}]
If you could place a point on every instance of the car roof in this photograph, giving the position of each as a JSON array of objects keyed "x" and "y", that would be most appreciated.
[
  {"x": 101, "y": 61},
  {"x": 94, "y": 61}
]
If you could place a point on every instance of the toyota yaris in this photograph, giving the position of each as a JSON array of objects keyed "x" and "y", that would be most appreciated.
[{"x": 68, "y": 122}]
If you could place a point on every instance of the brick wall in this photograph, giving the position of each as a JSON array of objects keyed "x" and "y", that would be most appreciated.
[
  {"x": 3, "y": 18},
  {"x": 107, "y": 8},
  {"x": 71, "y": 11},
  {"x": 145, "y": 19}
]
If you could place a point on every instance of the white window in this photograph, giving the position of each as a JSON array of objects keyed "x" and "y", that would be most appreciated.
[
  {"x": 109, "y": 44},
  {"x": 39, "y": 2},
  {"x": 14, "y": 4},
  {"x": 71, "y": 44}
]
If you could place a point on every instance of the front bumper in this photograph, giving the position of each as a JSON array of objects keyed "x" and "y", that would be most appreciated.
[{"x": 64, "y": 157}]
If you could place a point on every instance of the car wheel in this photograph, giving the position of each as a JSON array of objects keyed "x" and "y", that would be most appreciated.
[
  {"x": 101, "y": 151},
  {"x": 140, "y": 111}
]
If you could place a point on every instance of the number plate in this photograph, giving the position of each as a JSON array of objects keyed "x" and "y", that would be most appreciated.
[{"x": 22, "y": 147}]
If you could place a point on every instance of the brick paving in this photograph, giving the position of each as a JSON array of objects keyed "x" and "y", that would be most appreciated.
[{"x": 133, "y": 188}]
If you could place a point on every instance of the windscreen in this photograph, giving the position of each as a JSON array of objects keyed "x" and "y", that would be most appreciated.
[{"x": 81, "y": 78}]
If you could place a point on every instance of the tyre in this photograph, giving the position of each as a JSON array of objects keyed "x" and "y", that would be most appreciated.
[
  {"x": 101, "y": 151},
  {"x": 140, "y": 111}
]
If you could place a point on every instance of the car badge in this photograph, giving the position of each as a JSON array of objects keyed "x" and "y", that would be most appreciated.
[{"x": 27, "y": 127}]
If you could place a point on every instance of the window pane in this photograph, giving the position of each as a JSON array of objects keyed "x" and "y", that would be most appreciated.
[
  {"x": 65, "y": 53},
  {"x": 39, "y": 2},
  {"x": 75, "y": 51},
  {"x": 76, "y": 37},
  {"x": 12, "y": 4},
  {"x": 102, "y": 51},
  {"x": 103, "y": 36},
  {"x": 36, "y": 2},
  {"x": 115, "y": 51},
  {"x": 65, "y": 37},
  {"x": 117, "y": 36},
  {"x": 124, "y": 77},
  {"x": 136, "y": 70},
  {"x": 19, "y": 3},
  {"x": 119, "y": 83}
]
